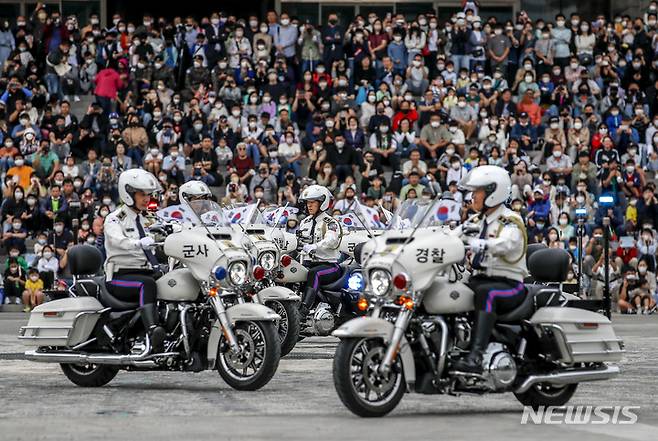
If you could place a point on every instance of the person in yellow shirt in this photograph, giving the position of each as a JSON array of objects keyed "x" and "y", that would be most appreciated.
[
  {"x": 631, "y": 211},
  {"x": 20, "y": 172},
  {"x": 33, "y": 294}
]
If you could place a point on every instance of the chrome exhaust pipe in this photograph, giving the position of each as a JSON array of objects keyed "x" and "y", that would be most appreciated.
[
  {"x": 142, "y": 359},
  {"x": 570, "y": 377}
]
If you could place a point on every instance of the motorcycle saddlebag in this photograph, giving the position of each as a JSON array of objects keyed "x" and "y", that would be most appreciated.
[
  {"x": 579, "y": 336},
  {"x": 64, "y": 322}
]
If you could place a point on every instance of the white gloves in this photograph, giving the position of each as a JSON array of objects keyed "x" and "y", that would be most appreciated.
[
  {"x": 309, "y": 247},
  {"x": 146, "y": 243},
  {"x": 477, "y": 245}
]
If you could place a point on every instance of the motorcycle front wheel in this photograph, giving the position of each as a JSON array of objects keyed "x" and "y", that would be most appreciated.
[
  {"x": 361, "y": 388},
  {"x": 89, "y": 375},
  {"x": 289, "y": 325},
  {"x": 255, "y": 364}
]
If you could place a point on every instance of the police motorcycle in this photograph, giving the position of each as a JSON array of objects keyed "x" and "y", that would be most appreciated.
[
  {"x": 92, "y": 334},
  {"x": 420, "y": 316},
  {"x": 335, "y": 302},
  {"x": 256, "y": 238}
]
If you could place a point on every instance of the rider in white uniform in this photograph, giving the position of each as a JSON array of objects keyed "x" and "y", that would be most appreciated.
[
  {"x": 322, "y": 234},
  {"x": 498, "y": 261},
  {"x": 131, "y": 266}
]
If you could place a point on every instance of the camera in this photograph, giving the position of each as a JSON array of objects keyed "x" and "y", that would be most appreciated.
[{"x": 232, "y": 188}]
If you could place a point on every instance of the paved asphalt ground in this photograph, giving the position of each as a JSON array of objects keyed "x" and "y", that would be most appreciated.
[{"x": 38, "y": 402}]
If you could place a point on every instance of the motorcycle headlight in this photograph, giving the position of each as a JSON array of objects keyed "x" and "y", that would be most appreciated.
[
  {"x": 267, "y": 260},
  {"x": 380, "y": 282},
  {"x": 237, "y": 273},
  {"x": 356, "y": 282}
]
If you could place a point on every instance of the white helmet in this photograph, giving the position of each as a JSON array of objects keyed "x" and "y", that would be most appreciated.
[
  {"x": 495, "y": 181},
  {"x": 134, "y": 180},
  {"x": 193, "y": 190},
  {"x": 317, "y": 193}
]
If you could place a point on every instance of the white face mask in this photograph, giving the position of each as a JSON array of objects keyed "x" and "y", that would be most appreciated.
[
  {"x": 564, "y": 221},
  {"x": 577, "y": 125},
  {"x": 47, "y": 255},
  {"x": 19, "y": 162},
  {"x": 557, "y": 154},
  {"x": 58, "y": 228},
  {"x": 435, "y": 124}
]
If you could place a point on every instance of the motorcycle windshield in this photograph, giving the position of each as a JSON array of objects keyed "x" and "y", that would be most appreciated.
[
  {"x": 421, "y": 213},
  {"x": 210, "y": 213}
]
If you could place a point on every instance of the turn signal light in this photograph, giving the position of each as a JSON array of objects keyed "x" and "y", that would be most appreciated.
[
  {"x": 406, "y": 302},
  {"x": 259, "y": 273},
  {"x": 362, "y": 304},
  {"x": 286, "y": 261},
  {"x": 212, "y": 292},
  {"x": 400, "y": 281},
  {"x": 152, "y": 205}
]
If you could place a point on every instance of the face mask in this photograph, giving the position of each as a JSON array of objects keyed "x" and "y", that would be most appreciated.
[
  {"x": 17, "y": 225},
  {"x": 461, "y": 104},
  {"x": 580, "y": 199},
  {"x": 58, "y": 228},
  {"x": 450, "y": 152},
  {"x": 340, "y": 144},
  {"x": 416, "y": 63},
  {"x": 19, "y": 162},
  {"x": 614, "y": 112},
  {"x": 19, "y": 195},
  {"x": 540, "y": 225},
  {"x": 642, "y": 269},
  {"x": 452, "y": 129},
  {"x": 383, "y": 129},
  {"x": 104, "y": 213},
  {"x": 557, "y": 154},
  {"x": 198, "y": 127},
  {"x": 455, "y": 165},
  {"x": 528, "y": 79},
  {"x": 264, "y": 29},
  {"x": 577, "y": 125},
  {"x": 435, "y": 124},
  {"x": 630, "y": 169}
]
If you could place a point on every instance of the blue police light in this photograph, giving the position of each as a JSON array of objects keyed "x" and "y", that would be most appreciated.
[
  {"x": 606, "y": 200},
  {"x": 219, "y": 272},
  {"x": 356, "y": 282}
]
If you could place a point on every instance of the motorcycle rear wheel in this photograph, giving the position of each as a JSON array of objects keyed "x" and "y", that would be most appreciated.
[
  {"x": 544, "y": 394},
  {"x": 93, "y": 375},
  {"x": 356, "y": 378},
  {"x": 289, "y": 325},
  {"x": 256, "y": 364}
]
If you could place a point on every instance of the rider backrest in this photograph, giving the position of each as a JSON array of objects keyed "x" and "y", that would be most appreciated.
[
  {"x": 85, "y": 260},
  {"x": 532, "y": 248},
  {"x": 549, "y": 265}
]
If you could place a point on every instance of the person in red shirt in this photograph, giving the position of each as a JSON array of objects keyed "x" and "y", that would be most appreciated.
[
  {"x": 405, "y": 111},
  {"x": 242, "y": 164},
  {"x": 108, "y": 83}
]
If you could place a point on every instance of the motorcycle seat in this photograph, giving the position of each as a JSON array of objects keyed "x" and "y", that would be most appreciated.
[
  {"x": 536, "y": 297},
  {"x": 107, "y": 299}
]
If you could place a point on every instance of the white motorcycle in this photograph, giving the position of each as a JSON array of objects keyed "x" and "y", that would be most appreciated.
[
  {"x": 420, "y": 317},
  {"x": 93, "y": 334}
]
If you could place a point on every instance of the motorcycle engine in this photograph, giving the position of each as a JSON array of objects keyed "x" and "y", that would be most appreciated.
[
  {"x": 323, "y": 320},
  {"x": 499, "y": 367}
]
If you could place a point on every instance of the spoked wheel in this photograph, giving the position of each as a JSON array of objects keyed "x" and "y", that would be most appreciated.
[
  {"x": 288, "y": 326},
  {"x": 89, "y": 375},
  {"x": 546, "y": 394},
  {"x": 255, "y": 364},
  {"x": 360, "y": 385}
]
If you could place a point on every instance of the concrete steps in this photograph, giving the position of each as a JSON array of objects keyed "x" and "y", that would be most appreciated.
[{"x": 79, "y": 109}]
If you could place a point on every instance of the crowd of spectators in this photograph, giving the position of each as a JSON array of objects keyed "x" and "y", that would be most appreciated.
[{"x": 377, "y": 109}]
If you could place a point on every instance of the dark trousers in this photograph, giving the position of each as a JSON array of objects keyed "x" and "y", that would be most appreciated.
[
  {"x": 318, "y": 275},
  {"x": 128, "y": 286},
  {"x": 496, "y": 294}
]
